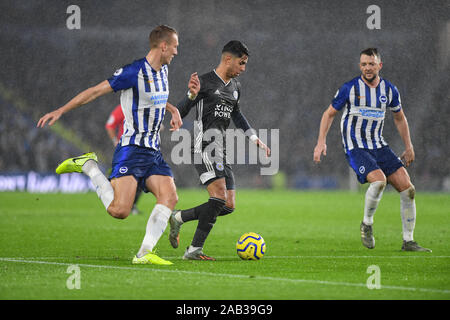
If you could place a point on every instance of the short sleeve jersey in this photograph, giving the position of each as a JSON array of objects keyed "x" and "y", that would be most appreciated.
[
  {"x": 144, "y": 94},
  {"x": 364, "y": 112}
]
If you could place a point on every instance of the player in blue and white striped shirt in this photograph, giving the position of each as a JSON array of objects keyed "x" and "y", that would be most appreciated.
[
  {"x": 364, "y": 101},
  {"x": 364, "y": 112},
  {"x": 144, "y": 96},
  {"x": 137, "y": 159}
]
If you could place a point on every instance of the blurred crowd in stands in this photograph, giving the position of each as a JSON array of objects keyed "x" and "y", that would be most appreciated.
[{"x": 300, "y": 54}]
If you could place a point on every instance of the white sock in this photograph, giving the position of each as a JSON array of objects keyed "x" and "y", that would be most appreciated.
[
  {"x": 373, "y": 197},
  {"x": 178, "y": 217},
  {"x": 192, "y": 249},
  {"x": 157, "y": 223},
  {"x": 408, "y": 212},
  {"x": 102, "y": 185}
]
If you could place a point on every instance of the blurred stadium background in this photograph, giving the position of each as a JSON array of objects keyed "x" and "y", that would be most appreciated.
[{"x": 301, "y": 53}]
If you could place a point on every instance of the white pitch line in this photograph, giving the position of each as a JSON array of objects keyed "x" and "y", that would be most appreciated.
[
  {"x": 335, "y": 257},
  {"x": 227, "y": 275},
  {"x": 265, "y": 257}
]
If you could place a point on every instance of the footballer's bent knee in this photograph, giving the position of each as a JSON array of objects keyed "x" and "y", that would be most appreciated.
[
  {"x": 230, "y": 203},
  {"x": 118, "y": 212},
  {"x": 219, "y": 193},
  {"x": 171, "y": 200}
]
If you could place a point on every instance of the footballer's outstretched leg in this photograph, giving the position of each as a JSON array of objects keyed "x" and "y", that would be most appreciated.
[
  {"x": 151, "y": 258},
  {"x": 87, "y": 164},
  {"x": 175, "y": 225},
  {"x": 401, "y": 181},
  {"x": 163, "y": 187},
  {"x": 75, "y": 164},
  {"x": 196, "y": 254},
  {"x": 413, "y": 246}
]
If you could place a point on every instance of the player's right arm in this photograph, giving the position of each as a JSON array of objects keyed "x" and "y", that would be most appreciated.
[
  {"x": 339, "y": 101},
  {"x": 325, "y": 124},
  {"x": 82, "y": 98}
]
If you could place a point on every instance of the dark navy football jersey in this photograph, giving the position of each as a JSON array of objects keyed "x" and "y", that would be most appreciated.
[{"x": 216, "y": 105}]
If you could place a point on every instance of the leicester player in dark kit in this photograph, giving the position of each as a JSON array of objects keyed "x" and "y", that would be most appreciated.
[{"x": 216, "y": 104}]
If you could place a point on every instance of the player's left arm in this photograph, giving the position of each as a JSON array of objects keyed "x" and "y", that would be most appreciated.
[
  {"x": 242, "y": 123},
  {"x": 401, "y": 123}
]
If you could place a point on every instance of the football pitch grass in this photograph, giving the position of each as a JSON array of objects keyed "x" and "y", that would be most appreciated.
[{"x": 313, "y": 251}]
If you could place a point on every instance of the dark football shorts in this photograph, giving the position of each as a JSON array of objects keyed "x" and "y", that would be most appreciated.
[
  {"x": 140, "y": 162},
  {"x": 210, "y": 170},
  {"x": 364, "y": 161}
]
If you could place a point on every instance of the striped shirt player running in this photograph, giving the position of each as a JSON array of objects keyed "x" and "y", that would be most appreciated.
[
  {"x": 364, "y": 101},
  {"x": 137, "y": 159}
]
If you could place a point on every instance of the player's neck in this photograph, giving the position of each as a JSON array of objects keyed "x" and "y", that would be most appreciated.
[
  {"x": 154, "y": 59},
  {"x": 372, "y": 84},
  {"x": 222, "y": 73}
]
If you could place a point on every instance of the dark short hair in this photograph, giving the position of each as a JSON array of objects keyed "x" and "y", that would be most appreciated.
[
  {"x": 160, "y": 33},
  {"x": 236, "y": 48},
  {"x": 371, "y": 52}
]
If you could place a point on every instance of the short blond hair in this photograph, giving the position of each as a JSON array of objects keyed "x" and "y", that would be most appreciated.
[{"x": 159, "y": 34}]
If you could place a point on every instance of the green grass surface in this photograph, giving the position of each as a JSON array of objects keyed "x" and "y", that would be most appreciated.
[{"x": 313, "y": 249}]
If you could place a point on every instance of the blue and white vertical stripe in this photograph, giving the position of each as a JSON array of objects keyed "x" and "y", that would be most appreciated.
[
  {"x": 363, "y": 118},
  {"x": 144, "y": 96}
]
